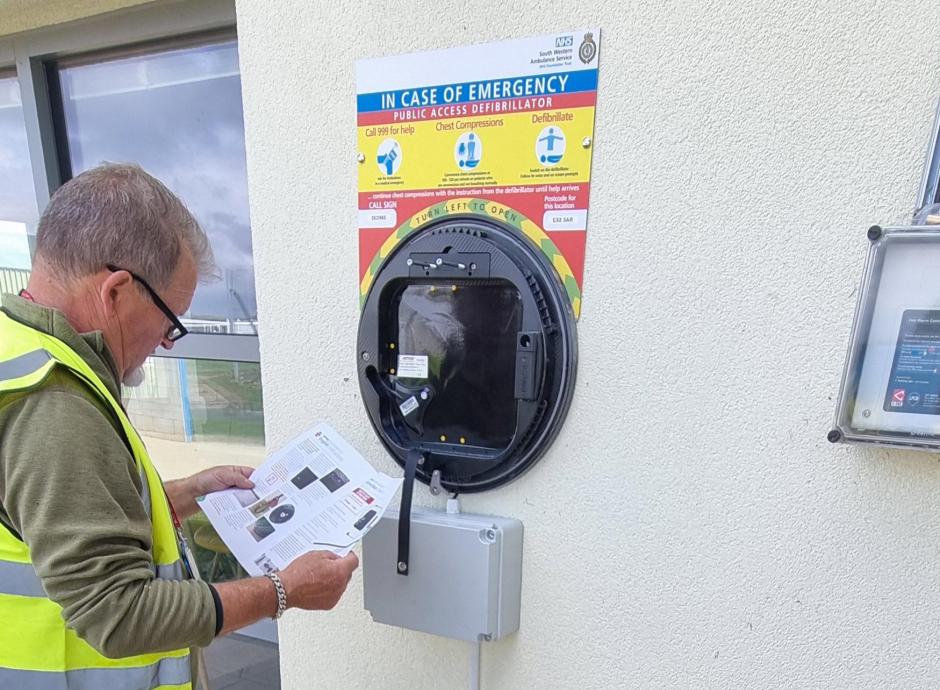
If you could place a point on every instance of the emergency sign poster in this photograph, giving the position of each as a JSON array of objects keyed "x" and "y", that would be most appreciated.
[{"x": 503, "y": 131}]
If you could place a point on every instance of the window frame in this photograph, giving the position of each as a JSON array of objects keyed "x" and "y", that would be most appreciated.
[
  {"x": 929, "y": 192},
  {"x": 34, "y": 56}
]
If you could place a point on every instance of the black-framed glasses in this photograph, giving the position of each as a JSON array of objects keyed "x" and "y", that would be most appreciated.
[{"x": 176, "y": 330}]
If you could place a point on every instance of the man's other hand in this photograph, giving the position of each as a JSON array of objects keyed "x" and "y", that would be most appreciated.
[
  {"x": 317, "y": 580},
  {"x": 183, "y": 492},
  {"x": 220, "y": 478}
]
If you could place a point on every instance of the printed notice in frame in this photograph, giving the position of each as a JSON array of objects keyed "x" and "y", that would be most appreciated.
[
  {"x": 503, "y": 131},
  {"x": 412, "y": 366},
  {"x": 315, "y": 494}
]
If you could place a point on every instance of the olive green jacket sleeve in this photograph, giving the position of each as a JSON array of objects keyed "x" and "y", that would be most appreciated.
[{"x": 70, "y": 489}]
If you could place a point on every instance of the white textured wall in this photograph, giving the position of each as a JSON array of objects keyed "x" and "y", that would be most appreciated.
[{"x": 691, "y": 526}]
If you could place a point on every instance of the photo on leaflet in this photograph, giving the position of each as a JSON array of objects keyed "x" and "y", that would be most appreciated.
[
  {"x": 260, "y": 529},
  {"x": 266, "y": 564},
  {"x": 245, "y": 497},
  {"x": 304, "y": 478},
  {"x": 334, "y": 480},
  {"x": 281, "y": 514},
  {"x": 361, "y": 524},
  {"x": 364, "y": 521},
  {"x": 266, "y": 503}
]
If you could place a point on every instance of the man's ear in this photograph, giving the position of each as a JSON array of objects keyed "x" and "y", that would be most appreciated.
[{"x": 113, "y": 290}]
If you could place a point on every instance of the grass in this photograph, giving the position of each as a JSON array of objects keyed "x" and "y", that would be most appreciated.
[
  {"x": 239, "y": 429},
  {"x": 239, "y": 386}
]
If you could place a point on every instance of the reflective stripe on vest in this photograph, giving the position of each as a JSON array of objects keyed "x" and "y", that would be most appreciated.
[
  {"x": 166, "y": 673},
  {"x": 173, "y": 571},
  {"x": 20, "y": 579},
  {"x": 19, "y": 367},
  {"x": 37, "y": 649},
  {"x": 27, "y": 619}
]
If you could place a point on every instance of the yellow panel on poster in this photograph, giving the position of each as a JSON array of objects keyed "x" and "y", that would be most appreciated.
[{"x": 476, "y": 151}]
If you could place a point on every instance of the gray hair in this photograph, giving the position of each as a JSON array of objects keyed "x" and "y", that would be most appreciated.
[{"x": 118, "y": 214}]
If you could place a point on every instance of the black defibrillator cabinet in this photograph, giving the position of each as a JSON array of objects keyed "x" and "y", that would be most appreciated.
[{"x": 467, "y": 353}]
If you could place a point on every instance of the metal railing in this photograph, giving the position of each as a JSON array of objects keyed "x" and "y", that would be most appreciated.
[{"x": 12, "y": 280}]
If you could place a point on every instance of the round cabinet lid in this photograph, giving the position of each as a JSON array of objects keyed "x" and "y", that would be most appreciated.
[{"x": 467, "y": 352}]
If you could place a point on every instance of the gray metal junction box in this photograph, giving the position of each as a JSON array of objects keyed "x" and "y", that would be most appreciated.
[{"x": 465, "y": 575}]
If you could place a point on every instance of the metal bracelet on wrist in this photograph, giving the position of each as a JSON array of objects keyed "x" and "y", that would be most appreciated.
[{"x": 281, "y": 594}]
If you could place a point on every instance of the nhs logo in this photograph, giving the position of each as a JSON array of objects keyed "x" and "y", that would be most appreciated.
[{"x": 564, "y": 41}]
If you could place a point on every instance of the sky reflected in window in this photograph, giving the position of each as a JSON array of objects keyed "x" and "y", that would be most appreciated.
[
  {"x": 178, "y": 114},
  {"x": 17, "y": 195}
]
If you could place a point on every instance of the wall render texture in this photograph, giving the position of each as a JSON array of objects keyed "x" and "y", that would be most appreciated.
[{"x": 691, "y": 526}]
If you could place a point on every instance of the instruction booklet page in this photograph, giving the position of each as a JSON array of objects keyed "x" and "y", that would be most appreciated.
[{"x": 315, "y": 494}]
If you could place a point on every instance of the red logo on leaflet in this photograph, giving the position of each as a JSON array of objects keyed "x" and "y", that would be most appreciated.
[
  {"x": 897, "y": 398},
  {"x": 364, "y": 496}
]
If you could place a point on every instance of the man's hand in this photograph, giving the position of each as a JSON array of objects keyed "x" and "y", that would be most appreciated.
[
  {"x": 219, "y": 478},
  {"x": 183, "y": 492},
  {"x": 317, "y": 580}
]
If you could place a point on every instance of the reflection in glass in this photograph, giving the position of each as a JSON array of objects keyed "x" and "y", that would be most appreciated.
[
  {"x": 213, "y": 558},
  {"x": 193, "y": 401},
  {"x": 17, "y": 195},
  {"x": 193, "y": 415},
  {"x": 197, "y": 414},
  {"x": 178, "y": 114},
  {"x": 467, "y": 331}
]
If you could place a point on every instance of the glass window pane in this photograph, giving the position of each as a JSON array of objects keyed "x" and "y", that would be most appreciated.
[
  {"x": 177, "y": 113},
  {"x": 193, "y": 415},
  {"x": 17, "y": 196},
  {"x": 205, "y": 403}
]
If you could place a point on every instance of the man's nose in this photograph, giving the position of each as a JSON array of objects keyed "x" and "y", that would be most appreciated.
[{"x": 167, "y": 344}]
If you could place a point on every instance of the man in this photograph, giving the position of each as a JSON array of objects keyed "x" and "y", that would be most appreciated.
[{"x": 94, "y": 588}]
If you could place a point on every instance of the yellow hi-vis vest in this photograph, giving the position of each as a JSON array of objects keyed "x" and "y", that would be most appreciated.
[{"x": 38, "y": 650}]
